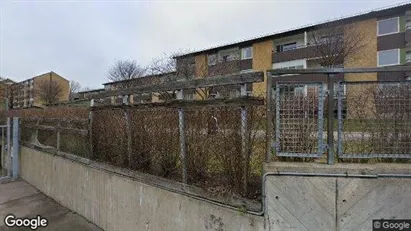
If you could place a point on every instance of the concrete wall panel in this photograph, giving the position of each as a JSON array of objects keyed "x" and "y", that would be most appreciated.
[{"x": 115, "y": 202}]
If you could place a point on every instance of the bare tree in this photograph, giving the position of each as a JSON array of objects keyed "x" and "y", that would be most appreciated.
[
  {"x": 165, "y": 68},
  {"x": 336, "y": 42},
  {"x": 74, "y": 88},
  {"x": 184, "y": 68},
  {"x": 124, "y": 70},
  {"x": 49, "y": 91}
]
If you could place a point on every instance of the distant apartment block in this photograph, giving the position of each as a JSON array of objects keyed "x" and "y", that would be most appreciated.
[
  {"x": 145, "y": 81},
  {"x": 82, "y": 95},
  {"x": 388, "y": 43},
  {"x": 5, "y": 84},
  {"x": 26, "y": 93}
]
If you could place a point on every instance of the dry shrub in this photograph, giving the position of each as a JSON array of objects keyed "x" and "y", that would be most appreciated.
[
  {"x": 155, "y": 141},
  {"x": 214, "y": 146},
  {"x": 110, "y": 137},
  {"x": 49, "y": 112}
]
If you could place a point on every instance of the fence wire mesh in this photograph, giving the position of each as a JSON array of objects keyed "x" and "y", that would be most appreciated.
[
  {"x": 299, "y": 119},
  {"x": 224, "y": 145},
  {"x": 57, "y": 133},
  {"x": 374, "y": 120}
]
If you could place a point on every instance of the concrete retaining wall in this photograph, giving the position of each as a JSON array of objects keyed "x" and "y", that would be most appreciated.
[
  {"x": 115, "y": 202},
  {"x": 335, "y": 203}
]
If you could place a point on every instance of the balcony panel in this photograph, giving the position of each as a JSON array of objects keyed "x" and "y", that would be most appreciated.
[
  {"x": 246, "y": 64},
  {"x": 307, "y": 78},
  {"x": 408, "y": 37},
  {"x": 223, "y": 68},
  {"x": 392, "y": 41},
  {"x": 299, "y": 53}
]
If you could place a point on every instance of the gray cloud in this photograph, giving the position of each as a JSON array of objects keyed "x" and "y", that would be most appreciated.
[{"x": 81, "y": 39}]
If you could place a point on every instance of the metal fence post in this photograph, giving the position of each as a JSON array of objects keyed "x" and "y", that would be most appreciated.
[
  {"x": 126, "y": 100},
  {"x": 330, "y": 127},
  {"x": 8, "y": 151},
  {"x": 269, "y": 128},
  {"x": 183, "y": 152},
  {"x": 16, "y": 148},
  {"x": 244, "y": 139},
  {"x": 277, "y": 119},
  {"x": 90, "y": 128},
  {"x": 3, "y": 152},
  {"x": 58, "y": 136},
  {"x": 339, "y": 111}
]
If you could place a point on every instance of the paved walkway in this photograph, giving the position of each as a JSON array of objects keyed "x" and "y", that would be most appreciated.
[{"x": 24, "y": 201}]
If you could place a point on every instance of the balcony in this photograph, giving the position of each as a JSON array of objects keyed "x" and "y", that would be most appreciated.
[
  {"x": 228, "y": 67},
  {"x": 301, "y": 52}
]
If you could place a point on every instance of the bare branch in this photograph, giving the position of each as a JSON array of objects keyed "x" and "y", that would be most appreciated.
[
  {"x": 49, "y": 91},
  {"x": 126, "y": 70},
  {"x": 335, "y": 42},
  {"x": 74, "y": 88}
]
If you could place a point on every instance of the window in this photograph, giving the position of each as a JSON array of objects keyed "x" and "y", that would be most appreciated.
[
  {"x": 228, "y": 55},
  {"x": 388, "y": 57},
  {"x": 247, "y": 53},
  {"x": 408, "y": 56},
  {"x": 212, "y": 59},
  {"x": 408, "y": 25},
  {"x": 388, "y": 26},
  {"x": 246, "y": 71},
  {"x": 287, "y": 47}
]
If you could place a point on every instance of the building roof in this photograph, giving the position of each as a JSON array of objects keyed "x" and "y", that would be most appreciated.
[
  {"x": 143, "y": 78},
  {"x": 50, "y": 72},
  {"x": 6, "y": 80},
  {"x": 380, "y": 12}
]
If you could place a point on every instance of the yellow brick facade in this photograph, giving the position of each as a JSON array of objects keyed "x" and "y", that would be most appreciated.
[
  {"x": 51, "y": 76},
  {"x": 201, "y": 71},
  {"x": 360, "y": 100},
  {"x": 262, "y": 61},
  {"x": 201, "y": 65},
  {"x": 367, "y": 56}
]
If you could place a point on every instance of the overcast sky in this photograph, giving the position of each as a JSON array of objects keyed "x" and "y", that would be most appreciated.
[{"x": 81, "y": 39}]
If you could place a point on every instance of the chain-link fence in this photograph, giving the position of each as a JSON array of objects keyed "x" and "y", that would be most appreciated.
[
  {"x": 65, "y": 135},
  {"x": 219, "y": 148}
]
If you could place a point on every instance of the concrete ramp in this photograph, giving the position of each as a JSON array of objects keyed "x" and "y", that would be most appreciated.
[{"x": 24, "y": 201}]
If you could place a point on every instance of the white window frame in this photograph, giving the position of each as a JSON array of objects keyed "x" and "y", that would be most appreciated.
[
  {"x": 407, "y": 25},
  {"x": 407, "y": 60},
  {"x": 286, "y": 43},
  {"x": 399, "y": 58},
  {"x": 378, "y": 26},
  {"x": 243, "y": 52},
  {"x": 246, "y": 71}
]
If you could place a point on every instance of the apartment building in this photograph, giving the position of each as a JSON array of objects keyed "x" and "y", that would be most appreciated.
[
  {"x": 5, "y": 84},
  {"x": 143, "y": 81},
  {"x": 82, "y": 95},
  {"x": 386, "y": 32},
  {"x": 26, "y": 93}
]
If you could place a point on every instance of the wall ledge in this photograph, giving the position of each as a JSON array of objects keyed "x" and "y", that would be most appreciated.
[{"x": 348, "y": 168}]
